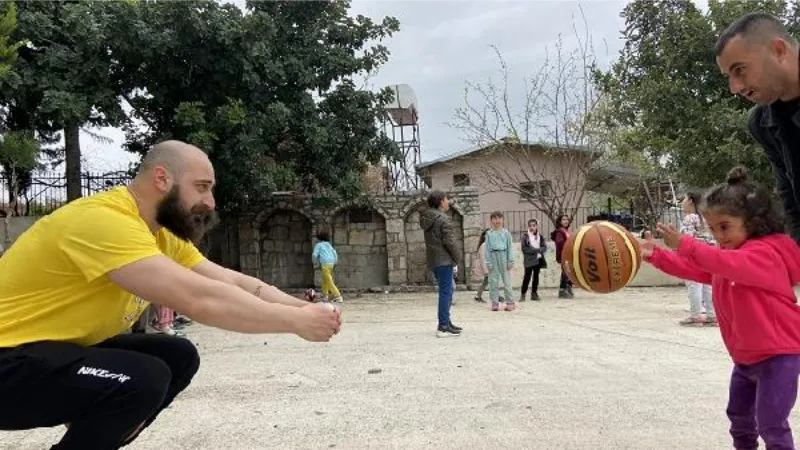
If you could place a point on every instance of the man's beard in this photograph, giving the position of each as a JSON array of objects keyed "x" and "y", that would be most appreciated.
[{"x": 189, "y": 225}]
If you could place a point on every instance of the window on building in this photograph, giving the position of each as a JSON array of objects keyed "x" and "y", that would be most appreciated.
[
  {"x": 460, "y": 180},
  {"x": 535, "y": 189}
]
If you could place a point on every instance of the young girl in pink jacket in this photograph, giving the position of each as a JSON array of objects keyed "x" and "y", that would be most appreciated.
[{"x": 753, "y": 273}]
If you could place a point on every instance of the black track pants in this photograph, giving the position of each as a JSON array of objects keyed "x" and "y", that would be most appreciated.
[{"x": 104, "y": 392}]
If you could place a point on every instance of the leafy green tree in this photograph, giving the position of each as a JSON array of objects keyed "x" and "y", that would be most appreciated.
[
  {"x": 61, "y": 80},
  {"x": 8, "y": 47},
  {"x": 268, "y": 94},
  {"x": 18, "y": 156},
  {"x": 669, "y": 100}
]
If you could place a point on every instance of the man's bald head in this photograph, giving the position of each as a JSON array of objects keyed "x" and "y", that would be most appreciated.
[
  {"x": 757, "y": 28},
  {"x": 175, "y": 156},
  {"x": 177, "y": 179}
]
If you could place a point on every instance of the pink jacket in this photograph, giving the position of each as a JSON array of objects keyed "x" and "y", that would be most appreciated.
[{"x": 752, "y": 291}]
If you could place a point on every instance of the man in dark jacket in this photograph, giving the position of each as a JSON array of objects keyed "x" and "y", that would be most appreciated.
[
  {"x": 442, "y": 255},
  {"x": 762, "y": 63}
]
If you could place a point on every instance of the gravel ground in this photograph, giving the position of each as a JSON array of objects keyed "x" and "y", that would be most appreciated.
[{"x": 595, "y": 372}]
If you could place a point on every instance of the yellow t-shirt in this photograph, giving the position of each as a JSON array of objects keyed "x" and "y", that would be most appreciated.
[{"x": 53, "y": 283}]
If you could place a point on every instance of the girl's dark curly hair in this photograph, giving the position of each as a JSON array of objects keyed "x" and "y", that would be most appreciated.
[{"x": 738, "y": 197}]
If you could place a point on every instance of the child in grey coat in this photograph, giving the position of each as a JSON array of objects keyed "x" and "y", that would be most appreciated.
[{"x": 533, "y": 249}]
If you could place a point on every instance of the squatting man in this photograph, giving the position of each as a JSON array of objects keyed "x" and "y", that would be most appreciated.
[{"x": 73, "y": 283}]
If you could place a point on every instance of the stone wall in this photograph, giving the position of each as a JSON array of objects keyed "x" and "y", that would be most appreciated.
[
  {"x": 359, "y": 237},
  {"x": 285, "y": 241},
  {"x": 276, "y": 243},
  {"x": 379, "y": 241}
]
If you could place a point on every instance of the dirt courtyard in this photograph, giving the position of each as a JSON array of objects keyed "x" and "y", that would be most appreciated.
[{"x": 594, "y": 372}]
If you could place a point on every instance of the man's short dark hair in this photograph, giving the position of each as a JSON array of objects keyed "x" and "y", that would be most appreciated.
[
  {"x": 755, "y": 25},
  {"x": 436, "y": 198}
]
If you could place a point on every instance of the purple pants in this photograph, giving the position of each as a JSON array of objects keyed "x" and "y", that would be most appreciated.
[{"x": 761, "y": 397}]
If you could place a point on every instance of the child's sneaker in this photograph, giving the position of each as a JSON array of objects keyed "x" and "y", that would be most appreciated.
[
  {"x": 338, "y": 299},
  {"x": 168, "y": 330},
  {"x": 692, "y": 322},
  {"x": 510, "y": 306},
  {"x": 495, "y": 306},
  {"x": 183, "y": 320}
]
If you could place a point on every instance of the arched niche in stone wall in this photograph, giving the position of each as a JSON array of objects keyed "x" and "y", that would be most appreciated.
[
  {"x": 359, "y": 236},
  {"x": 286, "y": 249},
  {"x": 416, "y": 257}
]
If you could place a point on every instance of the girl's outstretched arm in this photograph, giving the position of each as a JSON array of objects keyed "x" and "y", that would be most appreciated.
[
  {"x": 753, "y": 264},
  {"x": 672, "y": 264}
]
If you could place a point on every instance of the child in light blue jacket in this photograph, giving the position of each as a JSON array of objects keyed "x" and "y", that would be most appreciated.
[
  {"x": 325, "y": 255},
  {"x": 499, "y": 260}
]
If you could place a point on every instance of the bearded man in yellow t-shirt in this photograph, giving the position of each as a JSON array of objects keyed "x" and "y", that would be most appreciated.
[{"x": 73, "y": 283}]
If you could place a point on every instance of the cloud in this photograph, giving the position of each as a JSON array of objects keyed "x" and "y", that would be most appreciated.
[
  {"x": 473, "y": 23},
  {"x": 442, "y": 44}
]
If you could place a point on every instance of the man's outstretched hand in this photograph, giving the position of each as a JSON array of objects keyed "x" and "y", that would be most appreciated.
[{"x": 320, "y": 322}]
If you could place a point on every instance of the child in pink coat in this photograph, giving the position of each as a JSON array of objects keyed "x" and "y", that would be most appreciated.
[{"x": 753, "y": 273}]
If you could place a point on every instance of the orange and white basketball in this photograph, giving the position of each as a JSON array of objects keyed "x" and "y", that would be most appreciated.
[{"x": 601, "y": 257}]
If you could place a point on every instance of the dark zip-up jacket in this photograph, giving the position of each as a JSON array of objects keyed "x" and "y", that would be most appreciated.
[
  {"x": 777, "y": 129},
  {"x": 440, "y": 238}
]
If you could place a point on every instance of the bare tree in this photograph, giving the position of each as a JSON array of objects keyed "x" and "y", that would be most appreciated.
[{"x": 543, "y": 148}]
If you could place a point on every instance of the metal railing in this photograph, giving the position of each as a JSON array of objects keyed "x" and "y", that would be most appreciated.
[{"x": 47, "y": 191}]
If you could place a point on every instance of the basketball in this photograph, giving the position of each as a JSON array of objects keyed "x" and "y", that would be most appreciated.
[{"x": 601, "y": 257}]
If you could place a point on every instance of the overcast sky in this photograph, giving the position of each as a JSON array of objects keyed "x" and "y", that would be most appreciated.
[{"x": 442, "y": 44}]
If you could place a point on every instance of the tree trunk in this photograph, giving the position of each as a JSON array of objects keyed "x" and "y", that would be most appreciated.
[{"x": 72, "y": 150}]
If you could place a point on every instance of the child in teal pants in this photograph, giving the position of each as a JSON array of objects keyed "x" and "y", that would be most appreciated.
[{"x": 499, "y": 259}]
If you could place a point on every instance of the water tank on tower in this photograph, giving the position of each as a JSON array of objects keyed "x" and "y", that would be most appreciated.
[{"x": 402, "y": 124}]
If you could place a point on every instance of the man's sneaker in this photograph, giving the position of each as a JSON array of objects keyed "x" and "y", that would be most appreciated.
[
  {"x": 338, "y": 299},
  {"x": 711, "y": 322},
  {"x": 495, "y": 307},
  {"x": 447, "y": 331},
  {"x": 479, "y": 300},
  {"x": 535, "y": 296},
  {"x": 522, "y": 297},
  {"x": 510, "y": 306},
  {"x": 562, "y": 293},
  {"x": 455, "y": 327}
]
